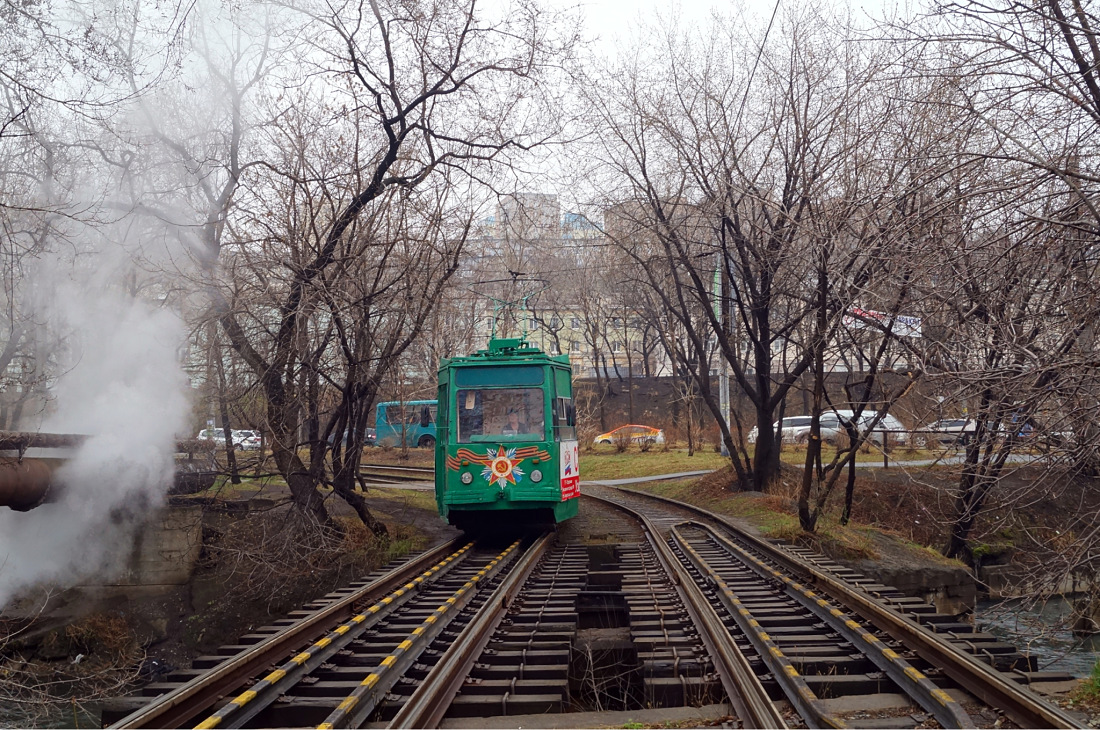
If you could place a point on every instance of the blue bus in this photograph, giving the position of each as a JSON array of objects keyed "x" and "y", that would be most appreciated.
[{"x": 410, "y": 421}]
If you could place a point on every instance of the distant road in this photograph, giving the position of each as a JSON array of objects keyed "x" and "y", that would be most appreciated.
[
  {"x": 894, "y": 463},
  {"x": 957, "y": 458}
]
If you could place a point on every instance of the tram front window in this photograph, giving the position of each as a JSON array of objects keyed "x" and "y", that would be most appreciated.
[{"x": 500, "y": 414}]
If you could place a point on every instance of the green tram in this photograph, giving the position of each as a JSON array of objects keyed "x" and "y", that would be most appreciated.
[{"x": 506, "y": 453}]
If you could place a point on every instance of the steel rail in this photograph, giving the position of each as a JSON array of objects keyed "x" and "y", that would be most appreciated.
[
  {"x": 747, "y": 695},
  {"x": 431, "y": 700},
  {"x": 982, "y": 681},
  {"x": 357, "y": 706},
  {"x": 409, "y": 473},
  {"x": 809, "y": 706},
  {"x": 940, "y": 704},
  {"x": 176, "y": 707},
  {"x": 252, "y": 701}
]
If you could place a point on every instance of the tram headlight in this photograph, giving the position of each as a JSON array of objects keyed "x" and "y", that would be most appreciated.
[
  {"x": 466, "y": 477},
  {"x": 536, "y": 476}
]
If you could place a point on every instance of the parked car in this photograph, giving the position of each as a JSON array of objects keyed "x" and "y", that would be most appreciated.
[
  {"x": 949, "y": 431},
  {"x": 636, "y": 434},
  {"x": 370, "y": 437},
  {"x": 796, "y": 429},
  {"x": 242, "y": 439},
  {"x": 887, "y": 427},
  {"x": 247, "y": 440},
  {"x": 209, "y": 434}
]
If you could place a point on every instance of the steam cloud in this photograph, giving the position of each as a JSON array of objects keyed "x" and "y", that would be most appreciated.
[{"x": 121, "y": 382}]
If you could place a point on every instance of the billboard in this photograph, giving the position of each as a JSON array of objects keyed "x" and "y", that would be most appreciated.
[{"x": 904, "y": 326}]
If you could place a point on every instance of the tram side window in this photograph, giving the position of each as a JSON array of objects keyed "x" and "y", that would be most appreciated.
[
  {"x": 564, "y": 420},
  {"x": 500, "y": 414}
]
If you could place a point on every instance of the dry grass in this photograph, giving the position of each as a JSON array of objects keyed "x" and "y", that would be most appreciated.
[
  {"x": 397, "y": 457},
  {"x": 103, "y": 635},
  {"x": 56, "y": 681},
  {"x": 775, "y": 516}
]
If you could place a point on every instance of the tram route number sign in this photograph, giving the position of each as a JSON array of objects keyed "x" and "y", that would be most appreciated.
[{"x": 570, "y": 470}]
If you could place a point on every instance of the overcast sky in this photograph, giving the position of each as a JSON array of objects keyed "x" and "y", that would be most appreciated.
[{"x": 612, "y": 19}]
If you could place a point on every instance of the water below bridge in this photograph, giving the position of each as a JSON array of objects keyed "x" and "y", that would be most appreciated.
[{"x": 1042, "y": 630}]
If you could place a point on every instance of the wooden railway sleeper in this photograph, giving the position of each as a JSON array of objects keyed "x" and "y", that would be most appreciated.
[
  {"x": 809, "y": 706},
  {"x": 248, "y": 704},
  {"x": 361, "y": 702},
  {"x": 919, "y": 687}
]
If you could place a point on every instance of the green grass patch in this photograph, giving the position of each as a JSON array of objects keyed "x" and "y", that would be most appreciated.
[
  {"x": 269, "y": 486},
  {"x": 795, "y": 454},
  {"x": 422, "y": 499},
  {"x": 604, "y": 463},
  {"x": 1089, "y": 691}
]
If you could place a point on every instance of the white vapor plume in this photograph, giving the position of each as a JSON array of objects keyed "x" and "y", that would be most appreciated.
[{"x": 120, "y": 382}]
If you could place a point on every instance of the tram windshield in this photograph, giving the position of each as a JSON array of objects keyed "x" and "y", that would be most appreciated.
[{"x": 500, "y": 414}]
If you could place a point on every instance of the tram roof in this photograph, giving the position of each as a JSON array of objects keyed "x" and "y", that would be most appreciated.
[{"x": 507, "y": 350}]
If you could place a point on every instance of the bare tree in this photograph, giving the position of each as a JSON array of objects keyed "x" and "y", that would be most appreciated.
[
  {"x": 1019, "y": 294},
  {"x": 427, "y": 78},
  {"x": 721, "y": 177}
]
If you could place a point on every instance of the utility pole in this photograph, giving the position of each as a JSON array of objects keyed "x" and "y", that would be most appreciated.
[{"x": 721, "y": 283}]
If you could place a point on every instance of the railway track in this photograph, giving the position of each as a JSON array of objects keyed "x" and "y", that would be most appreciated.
[
  {"x": 638, "y": 603},
  {"x": 571, "y": 623},
  {"x": 818, "y": 633},
  {"x": 389, "y": 473},
  {"x": 599, "y": 626},
  {"x": 340, "y": 659}
]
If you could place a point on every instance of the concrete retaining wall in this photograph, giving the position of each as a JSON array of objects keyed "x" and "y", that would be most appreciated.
[
  {"x": 161, "y": 560},
  {"x": 951, "y": 590}
]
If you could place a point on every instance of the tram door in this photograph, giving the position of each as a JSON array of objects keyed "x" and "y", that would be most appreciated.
[{"x": 565, "y": 435}]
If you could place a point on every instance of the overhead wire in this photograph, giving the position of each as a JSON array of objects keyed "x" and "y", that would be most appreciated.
[{"x": 759, "y": 53}]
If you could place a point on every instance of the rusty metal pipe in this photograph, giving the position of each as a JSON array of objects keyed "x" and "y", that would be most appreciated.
[
  {"x": 24, "y": 483},
  {"x": 19, "y": 440}
]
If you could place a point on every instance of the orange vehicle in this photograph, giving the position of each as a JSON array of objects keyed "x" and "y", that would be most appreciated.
[{"x": 637, "y": 434}]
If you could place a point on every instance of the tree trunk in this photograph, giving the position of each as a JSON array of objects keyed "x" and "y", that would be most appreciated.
[
  {"x": 967, "y": 504},
  {"x": 806, "y": 519},
  {"x": 303, "y": 493},
  {"x": 850, "y": 487},
  {"x": 227, "y": 432},
  {"x": 766, "y": 453},
  {"x": 600, "y": 390}
]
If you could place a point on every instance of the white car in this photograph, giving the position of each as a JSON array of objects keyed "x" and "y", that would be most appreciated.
[
  {"x": 796, "y": 429},
  {"x": 950, "y": 431},
  {"x": 888, "y": 427},
  {"x": 243, "y": 440},
  {"x": 247, "y": 440}
]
